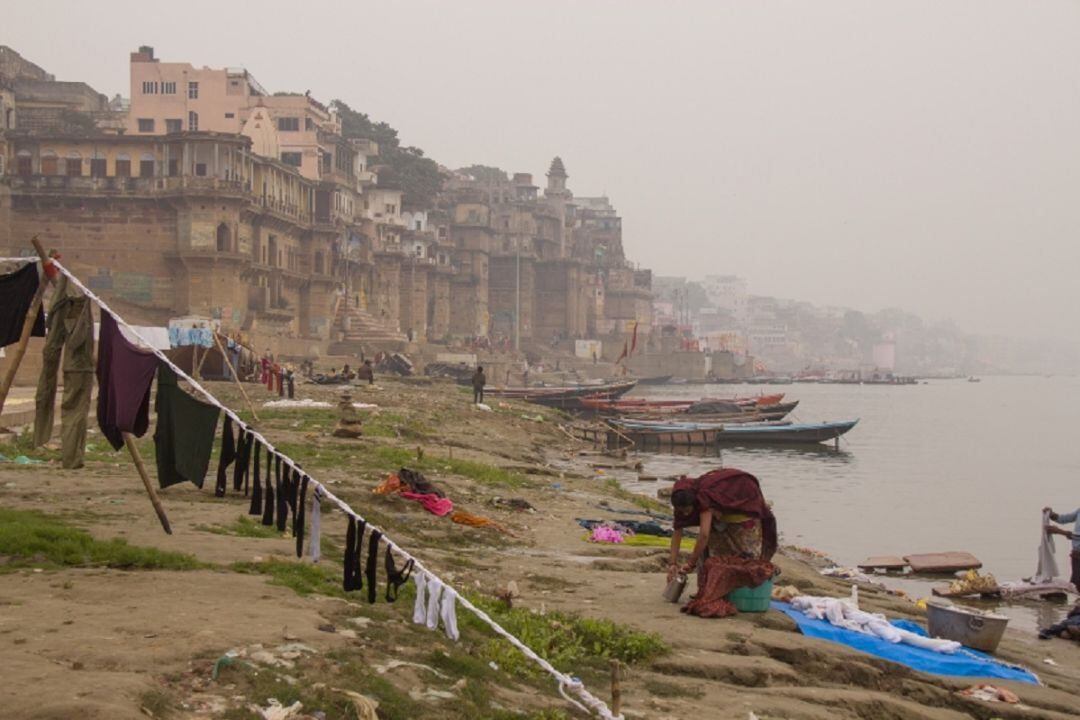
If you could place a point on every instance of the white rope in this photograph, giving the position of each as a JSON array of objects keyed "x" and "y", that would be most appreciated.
[{"x": 566, "y": 682}]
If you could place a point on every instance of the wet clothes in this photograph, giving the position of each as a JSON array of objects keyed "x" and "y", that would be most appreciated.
[
  {"x": 372, "y": 564},
  {"x": 71, "y": 338},
  {"x": 125, "y": 373},
  {"x": 730, "y": 491},
  {"x": 227, "y": 456},
  {"x": 17, "y": 291},
  {"x": 396, "y": 578},
  {"x": 184, "y": 436}
]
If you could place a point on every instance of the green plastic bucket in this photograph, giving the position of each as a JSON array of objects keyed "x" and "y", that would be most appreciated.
[{"x": 755, "y": 599}]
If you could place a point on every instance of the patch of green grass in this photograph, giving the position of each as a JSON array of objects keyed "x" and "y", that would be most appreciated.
[
  {"x": 242, "y": 527},
  {"x": 566, "y": 640},
  {"x": 157, "y": 703},
  {"x": 646, "y": 503},
  {"x": 395, "y": 457},
  {"x": 301, "y": 578},
  {"x": 32, "y": 539}
]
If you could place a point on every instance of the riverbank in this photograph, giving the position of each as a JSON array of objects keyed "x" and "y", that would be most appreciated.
[{"x": 101, "y": 642}]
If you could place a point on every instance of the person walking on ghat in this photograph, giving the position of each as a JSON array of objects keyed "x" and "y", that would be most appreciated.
[
  {"x": 1074, "y": 555},
  {"x": 479, "y": 380}
]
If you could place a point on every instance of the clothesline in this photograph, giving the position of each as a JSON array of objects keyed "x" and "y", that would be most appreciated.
[{"x": 565, "y": 682}]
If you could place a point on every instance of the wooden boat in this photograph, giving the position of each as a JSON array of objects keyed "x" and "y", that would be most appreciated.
[
  {"x": 567, "y": 398},
  {"x": 657, "y": 380},
  {"x": 657, "y": 434}
]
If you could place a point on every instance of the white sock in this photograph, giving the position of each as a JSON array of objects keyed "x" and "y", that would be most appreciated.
[
  {"x": 448, "y": 613},
  {"x": 419, "y": 613},
  {"x": 435, "y": 587}
]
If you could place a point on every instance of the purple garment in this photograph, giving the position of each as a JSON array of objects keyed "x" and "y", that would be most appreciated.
[{"x": 124, "y": 374}]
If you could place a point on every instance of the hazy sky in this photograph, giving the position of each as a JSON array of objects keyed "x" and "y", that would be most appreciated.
[{"x": 922, "y": 154}]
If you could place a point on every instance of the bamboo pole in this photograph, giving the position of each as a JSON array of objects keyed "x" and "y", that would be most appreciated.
[
  {"x": 17, "y": 354},
  {"x": 235, "y": 376},
  {"x": 129, "y": 441},
  {"x": 616, "y": 689}
]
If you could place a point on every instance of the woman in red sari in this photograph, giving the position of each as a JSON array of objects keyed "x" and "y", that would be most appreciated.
[{"x": 732, "y": 513}]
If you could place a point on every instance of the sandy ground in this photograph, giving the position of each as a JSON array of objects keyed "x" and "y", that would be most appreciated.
[{"x": 100, "y": 643}]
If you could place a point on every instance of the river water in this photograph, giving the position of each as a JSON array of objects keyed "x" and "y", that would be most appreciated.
[{"x": 946, "y": 465}]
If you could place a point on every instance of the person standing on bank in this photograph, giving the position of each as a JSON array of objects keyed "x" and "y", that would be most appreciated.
[
  {"x": 479, "y": 380},
  {"x": 1074, "y": 555}
]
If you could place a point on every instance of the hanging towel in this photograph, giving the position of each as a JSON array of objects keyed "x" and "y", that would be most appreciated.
[
  {"x": 124, "y": 374},
  {"x": 435, "y": 587},
  {"x": 227, "y": 457},
  {"x": 184, "y": 436},
  {"x": 316, "y": 525},
  {"x": 1047, "y": 568},
  {"x": 419, "y": 613},
  {"x": 448, "y": 614},
  {"x": 17, "y": 290}
]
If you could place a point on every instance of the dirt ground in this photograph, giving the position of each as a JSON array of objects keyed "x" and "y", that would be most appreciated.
[{"x": 94, "y": 642}]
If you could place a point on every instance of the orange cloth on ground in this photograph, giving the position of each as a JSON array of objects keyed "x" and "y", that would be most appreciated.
[
  {"x": 464, "y": 518},
  {"x": 391, "y": 484}
]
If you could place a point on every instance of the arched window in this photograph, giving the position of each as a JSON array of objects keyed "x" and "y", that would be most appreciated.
[
  {"x": 74, "y": 164},
  {"x": 24, "y": 163},
  {"x": 224, "y": 238},
  {"x": 49, "y": 164}
]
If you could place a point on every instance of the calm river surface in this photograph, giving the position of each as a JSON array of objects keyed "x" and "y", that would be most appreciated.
[{"x": 948, "y": 465}]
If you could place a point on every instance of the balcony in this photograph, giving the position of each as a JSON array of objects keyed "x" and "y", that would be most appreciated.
[{"x": 83, "y": 184}]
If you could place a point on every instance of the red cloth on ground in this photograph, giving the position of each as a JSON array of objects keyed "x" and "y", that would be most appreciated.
[
  {"x": 730, "y": 491},
  {"x": 432, "y": 503},
  {"x": 719, "y": 576}
]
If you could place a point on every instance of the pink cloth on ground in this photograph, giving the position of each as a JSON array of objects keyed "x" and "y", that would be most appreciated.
[{"x": 432, "y": 503}]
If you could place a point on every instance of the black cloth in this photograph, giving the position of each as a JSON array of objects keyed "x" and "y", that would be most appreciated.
[
  {"x": 184, "y": 436},
  {"x": 1074, "y": 557},
  {"x": 243, "y": 457},
  {"x": 354, "y": 540},
  {"x": 256, "y": 506},
  {"x": 396, "y": 578},
  {"x": 124, "y": 374},
  {"x": 284, "y": 495},
  {"x": 227, "y": 457},
  {"x": 17, "y": 290},
  {"x": 270, "y": 494},
  {"x": 298, "y": 518},
  {"x": 418, "y": 483},
  {"x": 372, "y": 563}
]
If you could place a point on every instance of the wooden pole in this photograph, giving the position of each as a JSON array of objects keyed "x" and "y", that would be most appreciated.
[
  {"x": 235, "y": 376},
  {"x": 16, "y": 356},
  {"x": 616, "y": 689},
  {"x": 129, "y": 441}
]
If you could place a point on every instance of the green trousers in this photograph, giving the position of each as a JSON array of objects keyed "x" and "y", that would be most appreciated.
[{"x": 70, "y": 338}]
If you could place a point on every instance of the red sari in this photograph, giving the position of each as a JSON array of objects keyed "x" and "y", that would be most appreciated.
[{"x": 730, "y": 491}]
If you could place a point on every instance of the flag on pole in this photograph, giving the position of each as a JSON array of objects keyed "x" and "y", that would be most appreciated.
[{"x": 633, "y": 342}]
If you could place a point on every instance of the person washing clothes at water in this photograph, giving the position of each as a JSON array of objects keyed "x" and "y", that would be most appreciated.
[
  {"x": 1074, "y": 535},
  {"x": 731, "y": 511}
]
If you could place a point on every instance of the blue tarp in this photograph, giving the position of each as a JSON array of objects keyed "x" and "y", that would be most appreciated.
[{"x": 964, "y": 663}]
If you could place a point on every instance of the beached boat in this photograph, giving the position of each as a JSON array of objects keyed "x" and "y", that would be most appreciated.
[
  {"x": 657, "y": 434},
  {"x": 566, "y": 398},
  {"x": 657, "y": 380}
]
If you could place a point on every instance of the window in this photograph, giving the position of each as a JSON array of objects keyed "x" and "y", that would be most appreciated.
[
  {"x": 390, "y": 208},
  {"x": 146, "y": 124},
  {"x": 309, "y": 124},
  {"x": 123, "y": 166},
  {"x": 223, "y": 242},
  {"x": 168, "y": 88},
  {"x": 174, "y": 167},
  {"x": 288, "y": 124},
  {"x": 192, "y": 121},
  {"x": 200, "y": 169},
  {"x": 149, "y": 87},
  {"x": 74, "y": 165},
  {"x": 230, "y": 116},
  {"x": 292, "y": 158},
  {"x": 318, "y": 262},
  {"x": 419, "y": 225},
  {"x": 174, "y": 126},
  {"x": 25, "y": 163},
  {"x": 193, "y": 90},
  {"x": 97, "y": 167},
  {"x": 146, "y": 166}
]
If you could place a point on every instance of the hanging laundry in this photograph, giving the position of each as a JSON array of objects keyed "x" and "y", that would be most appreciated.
[
  {"x": 419, "y": 614},
  {"x": 184, "y": 436},
  {"x": 17, "y": 291},
  {"x": 396, "y": 578},
  {"x": 273, "y": 484},
  {"x": 227, "y": 456},
  {"x": 256, "y": 506},
  {"x": 316, "y": 525},
  {"x": 349, "y": 575},
  {"x": 431, "y": 617},
  {"x": 372, "y": 564},
  {"x": 238, "y": 466},
  {"x": 124, "y": 374},
  {"x": 432, "y": 503},
  {"x": 284, "y": 491},
  {"x": 448, "y": 613},
  {"x": 71, "y": 335},
  {"x": 298, "y": 517}
]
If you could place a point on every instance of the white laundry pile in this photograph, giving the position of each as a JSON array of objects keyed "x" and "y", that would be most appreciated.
[
  {"x": 846, "y": 614},
  {"x": 440, "y": 603}
]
